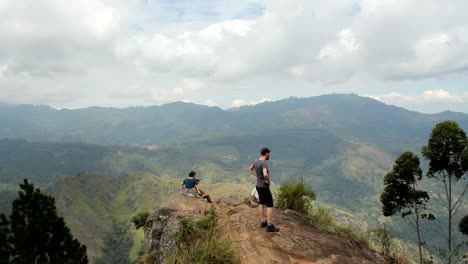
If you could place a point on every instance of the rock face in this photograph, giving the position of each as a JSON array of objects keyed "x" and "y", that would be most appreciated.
[{"x": 160, "y": 230}]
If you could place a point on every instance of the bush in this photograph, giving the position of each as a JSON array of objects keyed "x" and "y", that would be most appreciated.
[
  {"x": 198, "y": 243},
  {"x": 209, "y": 220},
  {"x": 140, "y": 219},
  {"x": 383, "y": 237},
  {"x": 322, "y": 219},
  {"x": 214, "y": 250},
  {"x": 296, "y": 197}
]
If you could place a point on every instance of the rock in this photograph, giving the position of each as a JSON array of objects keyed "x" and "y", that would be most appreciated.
[
  {"x": 231, "y": 212},
  {"x": 160, "y": 230}
]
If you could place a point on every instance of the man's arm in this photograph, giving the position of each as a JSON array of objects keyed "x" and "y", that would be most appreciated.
[
  {"x": 183, "y": 186},
  {"x": 198, "y": 190},
  {"x": 266, "y": 176},
  {"x": 252, "y": 171}
]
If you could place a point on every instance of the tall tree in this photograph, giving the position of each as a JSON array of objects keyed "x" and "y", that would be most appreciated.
[
  {"x": 401, "y": 193},
  {"x": 34, "y": 233},
  {"x": 447, "y": 152}
]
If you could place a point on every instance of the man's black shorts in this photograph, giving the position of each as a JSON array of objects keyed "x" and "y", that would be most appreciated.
[{"x": 265, "y": 197}]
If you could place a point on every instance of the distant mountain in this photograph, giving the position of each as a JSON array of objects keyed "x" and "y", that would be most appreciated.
[{"x": 349, "y": 116}]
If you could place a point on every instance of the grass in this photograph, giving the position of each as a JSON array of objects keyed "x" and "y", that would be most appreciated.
[
  {"x": 323, "y": 220},
  {"x": 213, "y": 251},
  {"x": 138, "y": 240},
  {"x": 199, "y": 243}
]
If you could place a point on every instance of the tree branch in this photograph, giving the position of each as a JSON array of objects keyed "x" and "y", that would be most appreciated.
[{"x": 458, "y": 202}]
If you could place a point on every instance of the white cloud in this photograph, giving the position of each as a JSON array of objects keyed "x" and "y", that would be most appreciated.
[
  {"x": 192, "y": 84},
  {"x": 184, "y": 88},
  {"x": 97, "y": 50},
  {"x": 437, "y": 100},
  {"x": 297, "y": 71},
  {"x": 241, "y": 102},
  {"x": 3, "y": 69},
  {"x": 346, "y": 42},
  {"x": 210, "y": 102}
]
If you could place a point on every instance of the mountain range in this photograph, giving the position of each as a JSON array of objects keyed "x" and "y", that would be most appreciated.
[
  {"x": 348, "y": 115},
  {"x": 94, "y": 159}
]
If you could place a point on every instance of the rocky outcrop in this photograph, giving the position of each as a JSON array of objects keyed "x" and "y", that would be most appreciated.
[
  {"x": 160, "y": 231},
  {"x": 299, "y": 240}
]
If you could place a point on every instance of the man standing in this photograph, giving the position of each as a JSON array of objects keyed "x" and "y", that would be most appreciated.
[{"x": 260, "y": 169}]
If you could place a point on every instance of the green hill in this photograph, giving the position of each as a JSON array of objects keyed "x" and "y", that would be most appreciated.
[{"x": 98, "y": 209}]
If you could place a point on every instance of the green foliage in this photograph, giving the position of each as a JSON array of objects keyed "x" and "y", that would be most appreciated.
[
  {"x": 383, "y": 237},
  {"x": 321, "y": 218},
  {"x": 191, "y": 230},
  {"x": 5, "y": 247},
  {"x": 447, "y": 151},
  {"x": 198, "y": 243},
  {"x": 296, "y": 197},
  {"x": 139, "y": 220},
  {"x": 400, "y": 192},
  {"x": 463, "y": 225},
  {"x": 209, "y": 220},
  {"x": 35, "y": 234},
  {"x": 213, "y": 251}
]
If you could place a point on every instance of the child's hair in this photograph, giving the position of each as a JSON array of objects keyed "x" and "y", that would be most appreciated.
[{"x": 192, "y": 174}]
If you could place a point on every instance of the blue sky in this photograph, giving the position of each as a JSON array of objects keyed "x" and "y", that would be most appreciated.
[{"x": 229, "y": 53}]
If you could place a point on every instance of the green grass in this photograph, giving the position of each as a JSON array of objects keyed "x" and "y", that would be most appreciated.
[
  {"x": 138, "y": 240},
  {"x": 199, "y": 243}
]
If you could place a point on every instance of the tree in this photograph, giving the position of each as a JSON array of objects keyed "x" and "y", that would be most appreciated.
[
  {"x": 401, "y": 193},
  {"x": 447, "y": 152},
  {"x": 34, "y": 233},
  {"x": 4, "y": 246},
  {"x": 463, "y": 226}
]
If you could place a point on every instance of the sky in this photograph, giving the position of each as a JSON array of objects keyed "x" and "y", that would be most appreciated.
[{"x": 79, "y": 53}]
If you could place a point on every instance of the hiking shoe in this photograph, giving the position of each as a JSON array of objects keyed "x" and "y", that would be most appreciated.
[
  {"x": 272, "y": 228},
  {"x": 263, "y": 224}
]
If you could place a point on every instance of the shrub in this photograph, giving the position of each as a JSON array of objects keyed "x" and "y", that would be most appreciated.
[
  {"x": 322, "y": 219},
  {"x": 198, "y": 243},
  {"x": 212, "y": 251},
  {"x": 140, "y": 219},
  {"x": 209, "y": 220},
  {"x": 296, "y": 197},
  {"x": 383, "y": 237}
]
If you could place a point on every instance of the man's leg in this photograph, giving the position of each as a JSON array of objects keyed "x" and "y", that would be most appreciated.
[
  {"x": 270, "y": 215},
  {"x": 261, "y": 210},
  {"x": 269, "y": 203},
  {"x": 208, "y": 198}
]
